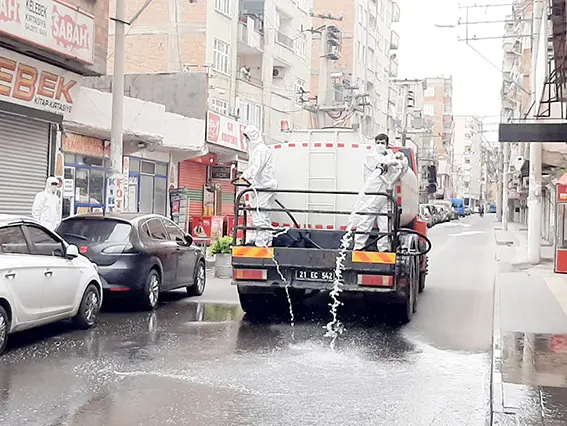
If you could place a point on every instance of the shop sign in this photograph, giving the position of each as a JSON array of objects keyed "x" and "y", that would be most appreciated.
[
  {"x": 562, "y": 193},
  {"x": 86, "y": 145},
  {"x": 221, "y": 172},
  {"x": 50, "y": 25},
  {"x": 34, "y": 84},
  {"x": 225, "y": 131}
]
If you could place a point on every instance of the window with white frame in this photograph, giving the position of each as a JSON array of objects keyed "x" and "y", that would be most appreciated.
[
  {"x": 223, "y": 6},
  {"x": 219, "y": 106},
  {"x": 301, "y": 45},
  {"x": 370, "y": 59},
  {"x": 221, "y": 57},
  {"x": 372, "y": 22},
  {"x": 300, "y": 85},
  {"x": 361, "y": 52},
  {"x": 304, "y": 5},
  {"x": 447, "y": 109},
  {"x": 429, "y": 92},
  {"x": 250, "y": 112},
  {"x": 429, "y": 110},
  {"x": 360, "y": 14}
]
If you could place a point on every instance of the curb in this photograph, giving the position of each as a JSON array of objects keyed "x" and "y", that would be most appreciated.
[{"x": 496, "y": 390}]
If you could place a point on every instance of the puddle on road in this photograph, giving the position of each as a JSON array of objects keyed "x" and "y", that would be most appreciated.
[
  {"x": 534, "y": 367},
  {"x": 214, "y": 312}
]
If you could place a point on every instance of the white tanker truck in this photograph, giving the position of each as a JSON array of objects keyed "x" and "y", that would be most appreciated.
[{"x": 320, "y": 172}]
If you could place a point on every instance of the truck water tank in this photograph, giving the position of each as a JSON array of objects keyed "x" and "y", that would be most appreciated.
[{"x": 331, "y": 160}]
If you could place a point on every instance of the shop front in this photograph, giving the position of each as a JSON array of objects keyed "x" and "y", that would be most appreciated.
[
  {"x": 207, "y": 179},
  {"x": 34, "y": 97},
  {"x": 86, "y": 169},
  {"x": 148, "y": 185}
]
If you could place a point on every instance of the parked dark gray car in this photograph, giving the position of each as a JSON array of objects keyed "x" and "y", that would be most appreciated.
[{"x": 138, "y": 254}]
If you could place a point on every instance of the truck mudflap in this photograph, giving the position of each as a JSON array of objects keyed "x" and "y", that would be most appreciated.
[{"x": 314, "y": 269}]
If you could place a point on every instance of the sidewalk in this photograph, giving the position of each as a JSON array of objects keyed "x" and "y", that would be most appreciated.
[{"x": 529, "y": 377}]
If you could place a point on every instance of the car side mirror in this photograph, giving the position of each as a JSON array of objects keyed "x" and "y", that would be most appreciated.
[
  {"x": 72, "y": 252},
  {"x": 188, "y": 239}
]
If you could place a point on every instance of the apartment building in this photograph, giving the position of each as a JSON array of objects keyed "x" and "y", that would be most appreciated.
[
  {"x": 364, "y": 63},
  {"x": 467, "y": 163},
  {"x": 438, "y": 109},
  {"x": 256, "y": 54},
  {"x": 516, "y": 96}
]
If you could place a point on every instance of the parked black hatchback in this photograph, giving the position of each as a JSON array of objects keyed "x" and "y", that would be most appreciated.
[{"x": 138, "y": 254}]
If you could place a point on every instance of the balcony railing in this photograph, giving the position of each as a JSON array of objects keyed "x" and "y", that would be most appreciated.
[
  {"x": 284, "y": 40},
  {"x": 394, "y": 41}
]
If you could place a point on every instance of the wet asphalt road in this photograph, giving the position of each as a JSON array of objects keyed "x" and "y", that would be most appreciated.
[{"x": 198, "y": 363}]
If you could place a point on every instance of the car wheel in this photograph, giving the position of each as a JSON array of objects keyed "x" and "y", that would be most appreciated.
[
  {"x": 198, "y": 287},
  {"x": 88, "y": 309},
  {"x": 150, "y": 297},
  {"x": 4, "y": 329}
]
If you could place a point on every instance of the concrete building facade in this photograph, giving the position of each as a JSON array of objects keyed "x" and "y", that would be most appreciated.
[
  {"x": 254, "y": 53},
  {"x": 467, "y": 159},
  {"x": 366, "y": 61}
]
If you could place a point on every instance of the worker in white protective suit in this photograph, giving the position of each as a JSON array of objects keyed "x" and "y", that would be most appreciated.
[
  {"x": 46, "y": 207},
  {"x": 261, "y": 175},
  {"x": 381, "y": 164}
]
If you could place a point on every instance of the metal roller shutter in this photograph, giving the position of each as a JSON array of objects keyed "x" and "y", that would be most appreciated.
[
  {"x": 24, "y": 145},
  {"x": 193, "y": 176}
]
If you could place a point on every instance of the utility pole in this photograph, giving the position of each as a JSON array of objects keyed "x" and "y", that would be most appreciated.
[
  {"x": 506, "y": 164},
  {"x": 330, "y": 37},
  {"x": 117, "y": 119},
  {"x": 499, "y": 185},
  {"x": 534, "y": 189}
]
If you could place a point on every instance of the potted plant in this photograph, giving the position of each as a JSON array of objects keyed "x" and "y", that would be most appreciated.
[{"x": 222, "y": 250}]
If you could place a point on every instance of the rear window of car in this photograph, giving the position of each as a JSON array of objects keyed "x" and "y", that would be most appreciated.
[{"x": 94, "y": 230}]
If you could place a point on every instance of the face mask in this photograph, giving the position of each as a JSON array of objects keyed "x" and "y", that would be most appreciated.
[
  {"x": 381, "y": 147},
  {"x": 53, "y": 189}
]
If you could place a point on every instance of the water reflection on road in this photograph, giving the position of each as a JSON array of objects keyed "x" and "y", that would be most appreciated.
[{"x": 203, "y": 364}]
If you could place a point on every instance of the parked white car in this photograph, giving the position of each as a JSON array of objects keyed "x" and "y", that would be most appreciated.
[{"x": 43, "y": 279}]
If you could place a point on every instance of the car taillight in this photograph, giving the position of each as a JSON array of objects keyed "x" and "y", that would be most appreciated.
[
  {"x": 83, "y": 250},
  {"x": 250, "y": 274}
]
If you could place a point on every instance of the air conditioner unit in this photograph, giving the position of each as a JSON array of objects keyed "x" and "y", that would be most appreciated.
[
  {"x": 278, "y": 72},
  {"x": 235, "y": 113}
]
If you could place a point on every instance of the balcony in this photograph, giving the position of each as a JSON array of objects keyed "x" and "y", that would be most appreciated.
[
  {"x": 249, "y": 87},
  {"x": 394, "y": 41},
  {"x": 395, "y": 12},
  {"x": 250, "y": 36},
  {"x": 284, "y": 54},
  {"x": 393, "y": 67}
]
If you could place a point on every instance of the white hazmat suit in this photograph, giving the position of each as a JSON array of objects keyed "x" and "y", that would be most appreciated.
[
  {"x": 261, "y": 175},
  {"x": 377, "y": 159},
  {"x": 46, "y": 207}
]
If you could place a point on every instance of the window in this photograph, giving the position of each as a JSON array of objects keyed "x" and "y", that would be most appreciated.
[
  {"x": 221, "y": 57},
  {"x": 467, "y": 160},
  {"x": 372, "y": 23},
  {"x": 155, "y": 230},
  {"x": 79, "y": 231},
  {"x": 219, "y": 106},
  {"x": 12, "y": 241},
  {"x": 447, "y": 109},
  {"x": 250, "y": 112},
  {"x": 223, "y": 6},
  {"x": 44, "y": 244},
  {"x": 429, "y": 92},
  {"x": 370, "y": 58},
  {"x": 429, "y": 110},
  {"x": 361, "y": 52},
  {"x": 175, "y": 233},
  {"x": 299, "y": 89},
  {"x": 301, "y": 45},
  {"x": 304, "y": 5},
  {"x": 361, "y": 14},
  {"x": 467, "y": 135},
  {"x": 147, "y": 187}
]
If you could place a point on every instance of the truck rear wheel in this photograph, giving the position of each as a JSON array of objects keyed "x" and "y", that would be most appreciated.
[
  {"x": 409, "y": 306},
  {"x": 261, "y": 304}
]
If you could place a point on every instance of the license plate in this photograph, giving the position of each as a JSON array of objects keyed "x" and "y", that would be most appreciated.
[{"x": 314, "y": 275}]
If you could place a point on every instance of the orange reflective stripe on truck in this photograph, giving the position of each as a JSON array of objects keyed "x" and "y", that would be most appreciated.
[
  {"x": 253, "y": 252},
  {"x": 373, "y": 257}
]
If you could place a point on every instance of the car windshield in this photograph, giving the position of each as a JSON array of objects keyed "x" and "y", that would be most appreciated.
[{"x": 95, "y": 230}]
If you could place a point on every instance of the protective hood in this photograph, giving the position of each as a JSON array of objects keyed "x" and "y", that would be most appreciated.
[
  {"x": 254, "y": 135},
  {"x": 50, "y": 180}
]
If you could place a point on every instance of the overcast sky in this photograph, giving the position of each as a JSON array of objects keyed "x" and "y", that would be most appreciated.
[{"x": 427, "y": 51}]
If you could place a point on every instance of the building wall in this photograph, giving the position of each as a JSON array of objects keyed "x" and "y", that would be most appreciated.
[
  {"x": 181, "y": 93},
  {"x": 467, "y": 165}
]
